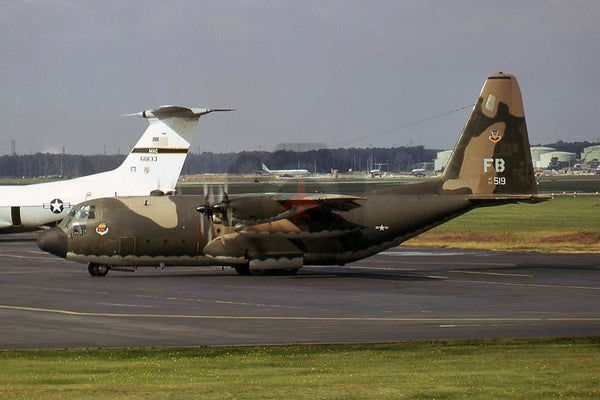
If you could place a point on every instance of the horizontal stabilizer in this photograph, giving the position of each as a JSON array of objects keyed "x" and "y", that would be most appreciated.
[
  {"x": 175, "y": 111},
  {"x": 494, "y": 198}
]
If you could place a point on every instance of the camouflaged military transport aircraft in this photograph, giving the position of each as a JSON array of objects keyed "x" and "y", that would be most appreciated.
[
  {"x": 153, "y": 164},
  {"x": 491, "y": 165}
]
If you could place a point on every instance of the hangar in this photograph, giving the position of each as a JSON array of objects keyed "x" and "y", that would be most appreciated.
[{"x": 563, "y": 158}]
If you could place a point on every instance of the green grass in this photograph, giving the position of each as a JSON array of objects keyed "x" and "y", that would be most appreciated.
[
  {"x": 563, "y": 224},
  {"x": 496, "y": 369},
  {"x": 569, "y": 183},
  {"x": 562, "y": 212}
]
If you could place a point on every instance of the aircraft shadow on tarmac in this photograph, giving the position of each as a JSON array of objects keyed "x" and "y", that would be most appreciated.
[
  {"x": 390, "y": 276},
  {"x": 369, "y": 275}
]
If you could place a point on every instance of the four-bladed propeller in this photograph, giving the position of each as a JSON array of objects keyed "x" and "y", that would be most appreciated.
[{"x": 221, "y": 208}]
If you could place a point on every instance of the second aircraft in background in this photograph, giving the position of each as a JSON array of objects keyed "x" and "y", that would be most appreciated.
[
  {"x": 285, "y": 173},
  {"x": 154, "y": 164}
]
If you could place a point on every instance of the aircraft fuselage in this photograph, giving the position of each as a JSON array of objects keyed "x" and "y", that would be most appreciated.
[
  {"x": 490, "y": 165},
  {"x": 157, "y": 230}
]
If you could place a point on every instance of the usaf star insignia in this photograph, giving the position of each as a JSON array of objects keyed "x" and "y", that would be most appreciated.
[
  {"x": 382, "y": 228},
  {"x": 56, "y": 206}
]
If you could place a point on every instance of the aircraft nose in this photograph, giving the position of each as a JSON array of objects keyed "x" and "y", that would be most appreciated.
[{"x": 53, "y": 241}]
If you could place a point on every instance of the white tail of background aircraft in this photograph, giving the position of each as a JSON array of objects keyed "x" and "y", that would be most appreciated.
[{"x": 154, "y": 164}]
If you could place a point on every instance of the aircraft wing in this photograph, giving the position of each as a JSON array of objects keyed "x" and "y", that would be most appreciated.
[{"x": 260, "y": 209}]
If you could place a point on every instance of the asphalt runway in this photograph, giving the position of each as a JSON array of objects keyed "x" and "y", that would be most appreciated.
[{"x": 402, "y": 294}]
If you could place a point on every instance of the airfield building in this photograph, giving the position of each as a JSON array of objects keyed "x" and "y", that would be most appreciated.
[
  {"x": 441, "y": 160},
  {"x": 536, "y": 154},
  {"x": 590, "y": 157},
  {"x": 562, "y": 158}
]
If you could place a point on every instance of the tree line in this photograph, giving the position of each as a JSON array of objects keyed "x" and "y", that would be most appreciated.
[
  {"x": 315, "y": 161},
  {"x": 246, "y": 162},
  {"x": 54, "y": 165}
]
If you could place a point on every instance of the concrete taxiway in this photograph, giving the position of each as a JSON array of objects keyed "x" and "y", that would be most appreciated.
[{"x": 399, "y": 295}]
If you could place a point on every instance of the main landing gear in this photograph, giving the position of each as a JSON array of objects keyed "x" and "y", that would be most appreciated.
[
  {"x": 98, "y": 269},
  {"x": 243, "y": 269}
]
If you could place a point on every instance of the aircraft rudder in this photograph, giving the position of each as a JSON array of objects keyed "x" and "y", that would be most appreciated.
[
  {"x": 156, "y": 160},
  {"x": 492, "y": 155}
]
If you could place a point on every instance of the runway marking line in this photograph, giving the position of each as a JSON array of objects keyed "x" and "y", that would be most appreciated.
[
  {"x": 449, "y": 262},
  {"x": 18, "y": 272},
  {"x": 30, "y": 257},
  {"x": 438, "y": 320},
  {"x": 237, "y": 303},
  {"x": 127, "y": 305},
  {"x": 59, "y": 290},
  {"x": 474, "y": 325},
  {"x": 539, "y": 285},
  {"x": 490, "y": 273}
]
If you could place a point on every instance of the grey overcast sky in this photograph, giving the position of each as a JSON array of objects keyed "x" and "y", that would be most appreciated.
[{"x": 346, "y": 73}]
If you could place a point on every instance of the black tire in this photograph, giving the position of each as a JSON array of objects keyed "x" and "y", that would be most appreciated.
[
  {"x": 243, "y": 270},
  {"x": 284, "y": 272},
  {"x": 276, "y": 272},
  {"x": 98, "y": 269}
]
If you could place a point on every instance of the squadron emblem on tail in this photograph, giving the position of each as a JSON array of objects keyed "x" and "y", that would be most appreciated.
[{"x": 495, "y": 137}]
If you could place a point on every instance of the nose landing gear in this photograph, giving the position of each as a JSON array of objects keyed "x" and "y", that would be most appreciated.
[{"x": 98, "y": 269}]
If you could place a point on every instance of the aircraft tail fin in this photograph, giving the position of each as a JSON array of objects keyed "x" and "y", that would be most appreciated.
[
  {"x": 492, "y": 156},
  {"x": 264, "y": 168},
  {"x": 156, "y": 160}
]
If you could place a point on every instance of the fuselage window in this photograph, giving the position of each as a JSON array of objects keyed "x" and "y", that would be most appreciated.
[{"x": 79, "y": 230}]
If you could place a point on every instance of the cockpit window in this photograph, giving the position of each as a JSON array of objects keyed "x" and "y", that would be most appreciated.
[
  {"x": 79, "y": 230},
  {"x": 83, "y": 212}
]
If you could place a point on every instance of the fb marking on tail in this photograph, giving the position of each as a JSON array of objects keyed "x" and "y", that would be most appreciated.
[{"x": 497, "y": 164}]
